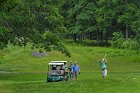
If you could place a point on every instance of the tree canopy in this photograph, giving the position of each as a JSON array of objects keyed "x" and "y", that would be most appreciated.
[
  {"x": 44, "y": 22},
  {"x": 36, "y": 21}
]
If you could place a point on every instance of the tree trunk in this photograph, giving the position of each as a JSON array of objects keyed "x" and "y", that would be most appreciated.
[
  {"x": 90, "y": 35},
  {"x": 107, "y": 37},
  {"x": 126, "y": 33},
  {"x": 24, "y": 43},
  {"x": 75, "y": 37},
  {"x": 101, "y": 38},
  {"x": 81, "y": 38},
  {"x": 97, "y": 37}
]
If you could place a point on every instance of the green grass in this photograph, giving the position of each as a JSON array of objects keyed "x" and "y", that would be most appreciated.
[
  {"x": 123, "y": 71},
  {"x": 90, "y": 82}
]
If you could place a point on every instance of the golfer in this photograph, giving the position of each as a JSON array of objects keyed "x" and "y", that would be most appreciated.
[
  {"x": 64, "y": 68},
  {"x": 70, "y": 67},
  {"x": 76, "y": 70},
  {"x": 103, "y": 67}
]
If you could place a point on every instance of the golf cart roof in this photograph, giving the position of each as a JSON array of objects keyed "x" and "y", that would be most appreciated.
[{"x": 56, "y": 63}]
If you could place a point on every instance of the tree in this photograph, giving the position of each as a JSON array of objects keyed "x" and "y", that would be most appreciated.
[
  {"x": 128, "y": 17},
  {"x": 27, "y": 21}
]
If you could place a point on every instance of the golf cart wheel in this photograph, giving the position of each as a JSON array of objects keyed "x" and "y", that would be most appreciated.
[{"x": 48, "y": 80}]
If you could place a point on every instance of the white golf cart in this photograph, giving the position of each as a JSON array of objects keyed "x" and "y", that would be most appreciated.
[{"x": 57, "y": 71}]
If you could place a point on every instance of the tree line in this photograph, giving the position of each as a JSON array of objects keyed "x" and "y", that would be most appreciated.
[
  {"x": 44, "y": 22},
  {"x": 99, "y": 19}
]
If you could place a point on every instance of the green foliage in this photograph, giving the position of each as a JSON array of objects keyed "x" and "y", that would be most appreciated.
[
  {"x": 49, "y": 41},
  {"x": 117, "y": 40},
  {"x": 27, "y": 21},
  {"x": 131, "y": 44},
  {"x": 40, "y": 51},
  {"x": 129, "y": 14},
  {"x": 101, "y": 17}
]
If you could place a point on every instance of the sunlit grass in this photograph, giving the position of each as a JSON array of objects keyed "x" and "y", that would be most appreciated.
[{"x": 123, "y": 71}]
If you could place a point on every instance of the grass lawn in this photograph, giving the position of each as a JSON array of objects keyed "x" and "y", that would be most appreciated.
[
  {"x": 91, "y": 82},
  {"x": 123, "y": 71}
]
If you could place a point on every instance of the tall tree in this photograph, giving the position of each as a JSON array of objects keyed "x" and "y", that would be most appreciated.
[
  {"x": 128, "y": 17},
  {"x": 24, "y": 21}
]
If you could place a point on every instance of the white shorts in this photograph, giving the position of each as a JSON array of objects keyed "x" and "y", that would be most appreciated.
[{"x": 104, "y": 72}]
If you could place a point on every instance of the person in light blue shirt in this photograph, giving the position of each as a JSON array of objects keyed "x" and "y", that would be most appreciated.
[
  {"x": 76, "y": 70},
  {"x": 103, "y": 67}
]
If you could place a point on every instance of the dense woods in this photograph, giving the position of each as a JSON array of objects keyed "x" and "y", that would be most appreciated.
[{"x": 44, "y": 23}]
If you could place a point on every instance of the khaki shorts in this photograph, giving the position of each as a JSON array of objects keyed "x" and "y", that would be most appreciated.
[{"x": 75, "y": 74}]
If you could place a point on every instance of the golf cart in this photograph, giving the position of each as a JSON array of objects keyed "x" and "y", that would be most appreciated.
[{"x": 57, "y": 71}]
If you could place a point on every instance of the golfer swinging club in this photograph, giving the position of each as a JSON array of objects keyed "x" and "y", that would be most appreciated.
[{"x": 103, "y": 67}]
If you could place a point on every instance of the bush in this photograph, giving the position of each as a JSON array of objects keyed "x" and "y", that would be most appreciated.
[
  {"x": 40, "y": 51},
  {"x": 117, "y": 40},
  {"x": 131, "y": 44}
]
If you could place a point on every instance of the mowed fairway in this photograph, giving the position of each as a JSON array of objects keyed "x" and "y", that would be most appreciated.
[
  {"x": 28, "y": 73},
  {"x": 88, "y": 82}
]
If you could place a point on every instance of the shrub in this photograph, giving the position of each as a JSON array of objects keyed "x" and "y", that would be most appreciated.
[
  {"x": 117, "y": 40},
  {"x": 40, "y": 51},
  {"x": 131, "y": 44}
]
